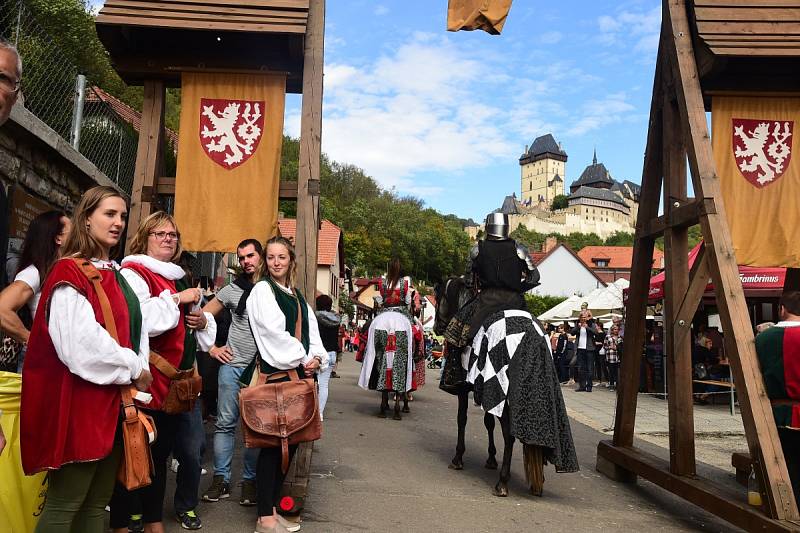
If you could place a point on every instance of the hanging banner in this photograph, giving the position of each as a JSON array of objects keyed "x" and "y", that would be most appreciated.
[
  {"x": 486, "y": 15},
  {"x": 753, "y": 142},
  {"x": 229, "y": 156}
]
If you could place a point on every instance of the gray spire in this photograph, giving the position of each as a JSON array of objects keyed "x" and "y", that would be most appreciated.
[{"x": 594, "y": 159}]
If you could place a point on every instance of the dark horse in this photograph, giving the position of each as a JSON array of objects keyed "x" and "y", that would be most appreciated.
[{"x": 451, "y": 296}]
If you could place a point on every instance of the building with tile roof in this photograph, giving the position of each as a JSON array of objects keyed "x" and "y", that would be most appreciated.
[
  {"x": 330, "y": 256},
  {"x": 611, "y": 263}
]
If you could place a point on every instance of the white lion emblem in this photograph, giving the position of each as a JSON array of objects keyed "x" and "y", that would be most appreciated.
[
  {"x": 226, "y": 137},
  {"x": 751, "y": 156}
]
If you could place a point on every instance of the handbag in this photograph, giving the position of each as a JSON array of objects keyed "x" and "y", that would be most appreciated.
[
  {"x": 9, "y": 353},
  {"x": 280, "y": 409},
  {"x": 136, "y": 468},
  {"x": 184, "y": 385}
]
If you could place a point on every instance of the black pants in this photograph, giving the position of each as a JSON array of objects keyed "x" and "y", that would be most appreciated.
[
  {"x": 600, "y": 366},
  {"x": 613, "y": 373},
  {"x": 149, "y": 499},
  {"x": 790, "y": 442},
  {"x": 269, "y": 478},
  {"x": 585, "y": 369}
]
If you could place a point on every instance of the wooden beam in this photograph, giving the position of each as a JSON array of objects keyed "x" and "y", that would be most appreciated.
[
  {"x": 636, "y": 309},
  {"x": 693, "y": 489},
  {"x": 165, "y": 186},
  {"x": 686, "y": 214},
  {"x": 676, "y": 281},
  {"x": 310, "y": 151},
  {"x": 148, "y": 154},
  {"x": 762, "y": 435},
  {"x": 698, "y": 281}
]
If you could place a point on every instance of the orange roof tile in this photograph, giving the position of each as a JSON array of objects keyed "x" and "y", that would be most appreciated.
[
  {"x": 617, "y": 256},
  {"x": 125, "y": 112},
  {"x": 327, "y": 240}
]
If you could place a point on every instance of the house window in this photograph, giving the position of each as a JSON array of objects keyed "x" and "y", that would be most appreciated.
[{"x": 601, "y": 262}]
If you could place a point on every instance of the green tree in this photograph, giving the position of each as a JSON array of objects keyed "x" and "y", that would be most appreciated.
[
  {"x": 620, "y": 238},
  {"x": 559, "y": 202},
  {"x": 538, "y": 304}
]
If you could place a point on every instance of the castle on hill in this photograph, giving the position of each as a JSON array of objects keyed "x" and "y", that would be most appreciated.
[{"x": 596, "y": 203}]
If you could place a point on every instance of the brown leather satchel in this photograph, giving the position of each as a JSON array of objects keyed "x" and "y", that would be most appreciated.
[
  {"x": 184, "y": 386},
  {"x": 280, "y": 409},
  {"x": 136, "y": 467}
]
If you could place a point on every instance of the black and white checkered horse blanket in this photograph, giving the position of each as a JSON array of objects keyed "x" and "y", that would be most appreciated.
[{"x": 512, "y": 368}]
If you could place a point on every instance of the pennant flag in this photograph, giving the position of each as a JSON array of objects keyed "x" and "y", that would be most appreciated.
[
  {"x": 486, "y": 15},
  {"x": 229, "y": 156},
  {"x": 753, "y": 141}
]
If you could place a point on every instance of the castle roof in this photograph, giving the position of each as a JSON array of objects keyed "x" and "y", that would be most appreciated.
[
  {"x": 594, "y": 175},
  {"x": 511, "y": 206},
  {"x": 596, "y": 194},
  {"x": 543, "y": 147}
]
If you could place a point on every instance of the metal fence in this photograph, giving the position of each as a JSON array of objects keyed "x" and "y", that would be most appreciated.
[{"x": 51, "y": 91}]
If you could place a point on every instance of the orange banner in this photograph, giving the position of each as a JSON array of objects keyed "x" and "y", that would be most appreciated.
[
  {"x": 486, "y": 15},
  {"x": 760, "y": 177},
  {"x": 229, "y": 157}
]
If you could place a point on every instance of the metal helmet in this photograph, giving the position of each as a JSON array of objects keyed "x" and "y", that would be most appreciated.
[{"x": 497, "y": 226}]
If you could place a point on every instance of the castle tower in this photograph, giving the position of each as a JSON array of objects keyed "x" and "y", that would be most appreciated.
[{"x": 543, "y": 167}]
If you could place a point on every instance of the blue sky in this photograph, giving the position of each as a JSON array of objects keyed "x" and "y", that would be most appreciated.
[{"x": 445, "y": 116}]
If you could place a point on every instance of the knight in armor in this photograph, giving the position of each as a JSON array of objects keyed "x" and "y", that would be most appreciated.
[{"x": 502, "y": 270}]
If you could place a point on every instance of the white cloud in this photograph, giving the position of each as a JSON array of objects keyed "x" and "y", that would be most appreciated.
[
  {"x": 599, "y": 113},
  {"x": 637, "y": 30},
  {"x": 550, "y": 37},
  {"x": 381, "y": 10}
]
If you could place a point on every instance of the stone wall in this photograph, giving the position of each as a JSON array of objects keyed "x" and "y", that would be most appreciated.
[{"x": 42, "y": 168}]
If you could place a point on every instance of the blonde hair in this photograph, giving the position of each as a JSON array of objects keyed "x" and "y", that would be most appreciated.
[
  {"x": 262, "y": 272},
  {"x": 79, "y": 242},
  {"x": 159, "y": 218}
]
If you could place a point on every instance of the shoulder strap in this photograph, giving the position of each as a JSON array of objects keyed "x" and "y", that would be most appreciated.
[
  {"x": 298, "y": 324},
  {"x": 95, "y": 278}
]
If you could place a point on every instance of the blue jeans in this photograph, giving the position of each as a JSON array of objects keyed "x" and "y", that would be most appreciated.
[
  {"x": 227, "y": 420},
  {"x": 188, "y": 450},
  {"x": 324, "y": 379}
]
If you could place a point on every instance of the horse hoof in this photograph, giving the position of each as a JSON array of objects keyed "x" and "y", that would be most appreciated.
[
  {"x": 406, "y": 410},
  {"x": 491, "y": 463},
  {"x": 456, "y": 465},
  {"x": 499, "y": 491}
]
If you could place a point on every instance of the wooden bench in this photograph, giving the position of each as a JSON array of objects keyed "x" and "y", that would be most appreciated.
[
  {"x": 725, "y": 384},
  {"x": 742, "y": 463}
]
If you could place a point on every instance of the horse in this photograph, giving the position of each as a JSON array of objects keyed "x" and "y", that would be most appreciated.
[{"x": 451, "y": 296}]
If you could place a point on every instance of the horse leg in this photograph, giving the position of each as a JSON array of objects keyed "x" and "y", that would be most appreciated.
[
  {"x": 488, "y": 421},
  {"x": 405, "y": 402},
  {"x": 501, "y": 489},
  {"x": 384, "y": 404},
  {"x": 397, "y": 407},
  {"x": 463, "y": 403}
]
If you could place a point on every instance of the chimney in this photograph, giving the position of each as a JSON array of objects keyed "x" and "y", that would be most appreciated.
[{"x": 549, "y": 244}]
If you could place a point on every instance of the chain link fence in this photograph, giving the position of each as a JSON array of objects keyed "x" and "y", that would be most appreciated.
[{"x": 50, "y": 90}]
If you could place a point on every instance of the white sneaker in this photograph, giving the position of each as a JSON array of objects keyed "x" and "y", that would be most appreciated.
[
  {"x": 203, "y": 471},
  {"x": 287, "y": 524},
  {"x": 174, "y": 465}
]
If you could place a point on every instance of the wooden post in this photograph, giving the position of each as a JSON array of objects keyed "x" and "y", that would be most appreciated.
[
  {"x": 676, "y": 283},
  {"x": 148, "y": 155},
  {"x": 762, "y": 435},
  {"x": 310, "y": 151},
  {"x": 296, "y": 483}
]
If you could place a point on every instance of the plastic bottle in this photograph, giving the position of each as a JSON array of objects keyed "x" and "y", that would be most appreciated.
[{"x": 753, "y": 489}]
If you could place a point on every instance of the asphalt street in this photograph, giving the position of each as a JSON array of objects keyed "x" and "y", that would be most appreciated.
[{"x": 373, "y": 474}]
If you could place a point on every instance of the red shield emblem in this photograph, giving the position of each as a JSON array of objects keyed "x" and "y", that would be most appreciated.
[
  {"x": 762, "y": 148},
  {"x": 230, "y": 130}
]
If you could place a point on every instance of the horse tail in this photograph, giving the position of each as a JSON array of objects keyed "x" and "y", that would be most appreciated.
[{"x": 533, "y": 461}]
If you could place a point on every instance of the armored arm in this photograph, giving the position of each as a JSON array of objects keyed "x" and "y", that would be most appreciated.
[
  {"x": 530, "y": 273},
  {"x": 471, "y": 271}
]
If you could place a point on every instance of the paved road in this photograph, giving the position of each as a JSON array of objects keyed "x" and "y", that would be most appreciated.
[{"x": 372, "y": 474}]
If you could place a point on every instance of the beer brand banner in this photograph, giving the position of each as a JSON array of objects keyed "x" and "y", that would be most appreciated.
[
  {"x": 486, "y": 15},
  {"x": 229, "y": 155},
  {"x": 753, "y": 141}
]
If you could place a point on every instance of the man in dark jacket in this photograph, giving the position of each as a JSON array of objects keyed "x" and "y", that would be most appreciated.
[{"x": 328, "y": 323}]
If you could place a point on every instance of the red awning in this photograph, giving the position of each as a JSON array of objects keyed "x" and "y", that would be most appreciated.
[{"x": 756, "y": 281}]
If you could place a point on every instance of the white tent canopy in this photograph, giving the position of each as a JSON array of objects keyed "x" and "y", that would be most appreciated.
[
  {"x": 602, "y": 301},
  {"x": 562, "y": 311}
]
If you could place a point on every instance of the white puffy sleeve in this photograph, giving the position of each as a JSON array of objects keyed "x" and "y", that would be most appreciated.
[
  {"x": 85, "y": 347},
  {"x": 206, "y": 337},
  {"x": 159, "y": 313},
  {"x": 276, "y": 346},
  {"x": 315, "y": 346}
]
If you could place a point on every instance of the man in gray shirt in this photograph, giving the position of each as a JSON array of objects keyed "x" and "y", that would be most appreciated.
[{"x": 234, "y": 357}]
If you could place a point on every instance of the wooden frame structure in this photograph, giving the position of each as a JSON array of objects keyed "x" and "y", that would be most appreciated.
[
  {"x": 152, "y": 42},
  {"x": 702, "y": 43}
]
